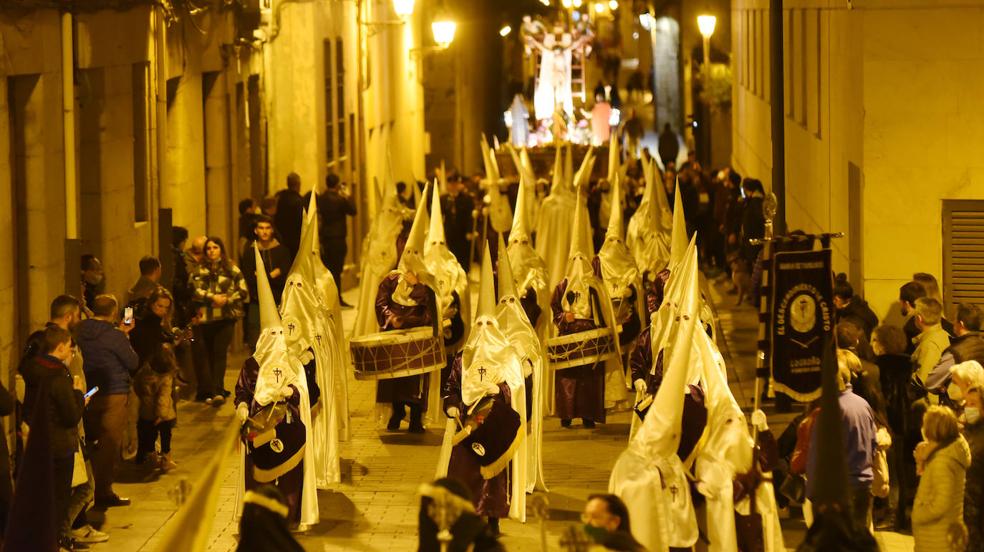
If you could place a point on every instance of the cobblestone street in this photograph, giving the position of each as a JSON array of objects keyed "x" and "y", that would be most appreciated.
[{"x": 376, "y": 506}]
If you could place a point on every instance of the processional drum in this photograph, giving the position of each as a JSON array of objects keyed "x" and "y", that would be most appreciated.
[
  {"x": 491, "y": 433},
  {"x": 580, "y": 349},
  {"x": 397, "y": 354}
]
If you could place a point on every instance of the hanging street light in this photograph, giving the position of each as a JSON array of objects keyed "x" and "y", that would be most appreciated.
[
  {"x": 403, "y": 8},
  {"x": 706, "y": 24},
  {"x": 443, "y": 30}
]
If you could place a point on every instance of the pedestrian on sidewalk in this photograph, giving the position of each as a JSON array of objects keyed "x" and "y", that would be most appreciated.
[
  {"x": 158, "y": 415},
  {"x": 276, "y": 259},
  {"x": 109, "y": 363},
  {"x": 290, "y": 211},
  {"x": 50, "y": 386},
  {"x": 973, "y": 508},
  {"x": 65, "y": 313},
  {"x": 335, "y": 205},
  {"x": 150, "y": 276},
  {"x": 220, "y": 291},
  {"x": 942, "y": 459}
]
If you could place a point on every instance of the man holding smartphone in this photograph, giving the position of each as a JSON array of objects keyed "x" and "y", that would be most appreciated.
[
  {"x": 109, "y": 363},
  {"x": 334, "y": 206}
]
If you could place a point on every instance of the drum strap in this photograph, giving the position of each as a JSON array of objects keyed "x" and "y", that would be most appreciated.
[{"x": 268, "y": 476}]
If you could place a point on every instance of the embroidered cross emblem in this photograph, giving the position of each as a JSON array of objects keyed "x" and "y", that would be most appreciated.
[
  {"x": 277, "y": 372},
  {"x": 673, "y": 491},
  {"x": 481, "y": 373},
  {"x": 291, "y": 328},
  {"x": 318, "y": 337}
]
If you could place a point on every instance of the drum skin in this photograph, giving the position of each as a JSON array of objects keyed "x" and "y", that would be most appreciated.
[
  {"x": 581, "y": 348},
  {"x": 397, "y": 354}
]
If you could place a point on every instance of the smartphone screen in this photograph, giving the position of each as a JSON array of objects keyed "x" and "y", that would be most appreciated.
[
  {"x": 92, "y": 392},
  {"x": 128, "y": 315}
]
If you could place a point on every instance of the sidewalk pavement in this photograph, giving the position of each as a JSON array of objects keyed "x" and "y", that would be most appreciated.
[{"x": 376, "y": 506}]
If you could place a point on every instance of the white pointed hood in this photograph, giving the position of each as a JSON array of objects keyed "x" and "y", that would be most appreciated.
[
  {"x": 674, "y": 327},
  {"x": 614, "y": 158},
  {"x": 277, "y": 368},
  {"x": 448, "y": 274},
  {"x": 378, "y": 256},
  {"x": 487, "y": 358},
  {"x": 435, "y": 235},
  {"x": 413, "y": 252},
  {"x": 557, "y": 185},
  {"x": 678, "y": 239},
  {"x": 500, "y": 213},
  {"x": 520, "y": 230},
  {"x": 618, "y": 267},
  {"x": 648, "y": 236}
]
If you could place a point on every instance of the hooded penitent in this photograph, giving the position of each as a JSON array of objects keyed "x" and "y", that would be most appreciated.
[
  {"x": 649, "y": 476},
  {"x": 520, "y": 333},
  {"x": 618, "y": 267},
  {"x": 378, "y": 258},
  {"x": 313, "y": 331},
  {"x": 448, "y": 273},
  {"x": 278, "y": 371},
  {"x": 487, "y": 362},
  {"x": 553, "y": 229},
  {"x": 528, "y": 267},
  {"x": 648, "y": 236},
  {"x": 500, "y": 214}
]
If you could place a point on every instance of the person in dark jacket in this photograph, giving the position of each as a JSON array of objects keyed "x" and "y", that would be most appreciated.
[
  {"x": 606, "y": 521},
  {"x": 752, "y": 219},
  {"x": 150, "y": 277},
  {"x": 973, "y": 431},
  {"x": 850, "y": 306},
  {"x": 334, "y": 206},
  {"x": 668, "y": 146},
  {"x": 276, "y": 260},
  {"x": 93, "y": 279},
  {"x": 895, "y": 371},
  {"x": 263, "y": 525},
  {"x": 50, "y": 386},
  {"x": 458, "y": 208},
  {"x": 968, "y": 344},
  {"x": 290, "y": 213},
  {"x": 109, "y": 363},
  {"x": 468, "y": 531},
  {"x": 909, "y": 293}
]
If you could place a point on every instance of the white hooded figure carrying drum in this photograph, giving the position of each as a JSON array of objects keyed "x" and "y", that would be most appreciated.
[
  {"x": 485, "y": 395},
  {"x": 406, "y": 299},
  {"x": 273, "y": 397},
  {"x": 581, "y": 304}
]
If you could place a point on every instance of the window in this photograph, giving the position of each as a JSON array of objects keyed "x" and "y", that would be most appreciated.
[
  {"x": 963, "y": 252},
  {"x": 329, "y": 115},
  {"x": 340, "y": 97},
  {"x": 335, "y": 118}
]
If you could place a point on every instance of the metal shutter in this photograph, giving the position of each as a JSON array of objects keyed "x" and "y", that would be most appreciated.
[{"x": 963, "y": 252}]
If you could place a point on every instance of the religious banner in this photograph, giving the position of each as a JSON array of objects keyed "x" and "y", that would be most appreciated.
[{"x": 802, "y": 316}]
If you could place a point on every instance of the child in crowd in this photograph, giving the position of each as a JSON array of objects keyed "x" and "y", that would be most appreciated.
[{"x": 158, "y": 415}]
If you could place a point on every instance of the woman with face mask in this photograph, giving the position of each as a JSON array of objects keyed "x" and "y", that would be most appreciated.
[{"x": 973, "y": 431}]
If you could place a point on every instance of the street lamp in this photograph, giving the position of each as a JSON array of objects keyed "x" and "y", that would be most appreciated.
[
  {"x": 443, "y": 30},
  {"x": 403, "y": 8},
  {"x": 706, "y": 24}
]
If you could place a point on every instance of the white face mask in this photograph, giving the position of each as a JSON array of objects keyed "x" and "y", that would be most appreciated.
[{"x": 972, "y": 415}]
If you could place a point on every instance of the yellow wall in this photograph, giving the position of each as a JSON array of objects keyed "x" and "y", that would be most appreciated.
[{"x": 890, "y": 86}]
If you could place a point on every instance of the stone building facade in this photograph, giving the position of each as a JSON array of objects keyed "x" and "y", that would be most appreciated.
[
  {"x": 882, "y": 129},
  {"x": 186, "y": 105}
]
